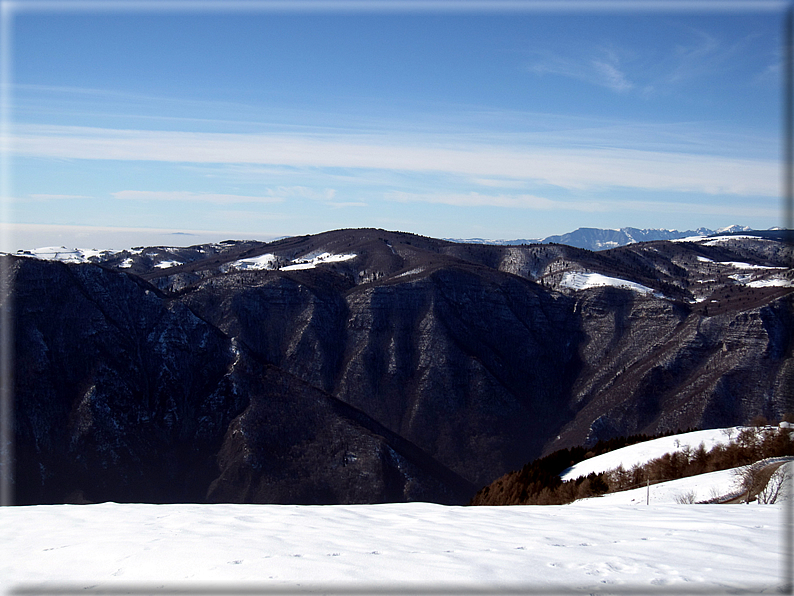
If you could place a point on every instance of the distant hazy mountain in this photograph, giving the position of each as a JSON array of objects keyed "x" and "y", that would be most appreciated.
[{"x": 602, "y": 239}]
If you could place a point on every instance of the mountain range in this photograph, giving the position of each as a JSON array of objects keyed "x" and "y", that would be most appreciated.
[
  {"x": 366, "y": 365},
  {"x": 603, "y": 239}
]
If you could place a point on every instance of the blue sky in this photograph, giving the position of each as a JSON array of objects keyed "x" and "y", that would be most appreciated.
[{"x": 177, "y": 127}]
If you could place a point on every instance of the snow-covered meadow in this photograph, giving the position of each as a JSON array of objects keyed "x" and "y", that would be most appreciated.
[
  {"x": 587, "y": 546},
  {"x": 611, "y": 544}
]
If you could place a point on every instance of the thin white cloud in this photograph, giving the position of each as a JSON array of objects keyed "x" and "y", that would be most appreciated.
[
  {"x": 604, "y": 71},
  {"x": 699, "y": 55},
  {"x": 499, "y": 183},
  {"x": 702, "y": 55},
  {"x": 611, "y": 76},
  {"x": 475, "y": 199},
  {"x": 346, "y": 204},
  {"x": 192, "y": 197},
  {"x": 571, "y": 169},
  {"x": 46, "y": 197},
  {"x": 270, "y": 195},
  {"x": 536, "y": 203},
  {"x": 696, "y": 208}
]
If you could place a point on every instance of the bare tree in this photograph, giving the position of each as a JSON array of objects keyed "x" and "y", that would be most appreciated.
[
  {"x": 776, "y": 485},
  {"x": 750, "y": 479}
]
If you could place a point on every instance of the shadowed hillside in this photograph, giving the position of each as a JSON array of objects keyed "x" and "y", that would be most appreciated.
[{"x": 367, "y": 365}]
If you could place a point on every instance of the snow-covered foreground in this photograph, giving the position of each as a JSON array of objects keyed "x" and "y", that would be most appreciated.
[{"x": 590, "y": 546}]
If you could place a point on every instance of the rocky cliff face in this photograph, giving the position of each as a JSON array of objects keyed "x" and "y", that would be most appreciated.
[{"x": 367, "y": 366}]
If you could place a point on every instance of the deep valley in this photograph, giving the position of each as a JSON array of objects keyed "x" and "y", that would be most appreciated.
[{"x": 363, "y": 366}]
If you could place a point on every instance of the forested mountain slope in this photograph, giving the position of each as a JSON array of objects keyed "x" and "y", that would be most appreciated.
[{"x": 366, "y": 365}]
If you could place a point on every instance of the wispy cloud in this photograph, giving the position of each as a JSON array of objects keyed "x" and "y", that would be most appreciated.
[
  {"x": 696, "y": 55},
  {"x": 570, "y": 169},
  {"x": 499, "y": 183},
  {"x": 346, "y": 204},
  {"x": 611, "y": 76},
  {"x": 701, "y": 54},
  {"x": 192, "y": 197},
  {"x": 49, "y": 197},
  {"x": 475, "y": 199},
  {"x": 270, "y": 195},
  {"x": 603, "y": 70},
  {"x": 536, "y": 203}
]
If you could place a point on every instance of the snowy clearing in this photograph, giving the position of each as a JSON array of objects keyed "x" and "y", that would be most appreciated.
[
  {"x": 771, "y": 282},
  {"x": 715, "y": 240},
  {"x": 167, "y": 264},
  {"x": 589, "y": 546},
  {"x": 311, "y": 261},
  {"x": 582, "y": 281},
  {"x": 259, "y": 263},
  {"x": 740, "y": 265}
]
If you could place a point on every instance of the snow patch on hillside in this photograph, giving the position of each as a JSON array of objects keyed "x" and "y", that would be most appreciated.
[
  {"x": 262, "y": 262},
  {"x": 717, "y": 240},
  {"x": 740, "y": 265},
  {"x": 167, "y": 264},
  {"x": 714, "y": 240},
  {"x": 414, "y": 271},
  {"x": 581, "y": 281},
  {"x": 772, "y": 282},
  {"x": 311, "y": 261}
]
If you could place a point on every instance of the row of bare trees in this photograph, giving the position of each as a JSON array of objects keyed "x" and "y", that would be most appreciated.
[{"x": 749, "y": 446}]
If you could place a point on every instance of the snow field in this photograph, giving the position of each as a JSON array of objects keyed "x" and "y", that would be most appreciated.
[
  {"x": 267, "y": 261},
  {"x": 581, "y": 281},
  {"x": 254, "y": 263},
  {"x": 641, "y": 453},
  {"x": 588, "y": 546},
  {"x": 701, "y": 487},
  {"x": 311, "y": 261}
]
